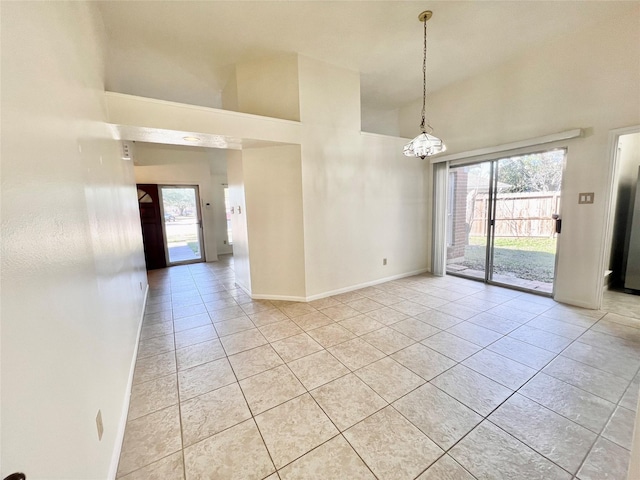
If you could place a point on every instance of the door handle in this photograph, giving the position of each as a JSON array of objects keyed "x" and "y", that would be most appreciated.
[{"x": 558, "y": 220}]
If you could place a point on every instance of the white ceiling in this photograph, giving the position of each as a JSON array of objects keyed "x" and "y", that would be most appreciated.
[{"x": 184, "y": 51}]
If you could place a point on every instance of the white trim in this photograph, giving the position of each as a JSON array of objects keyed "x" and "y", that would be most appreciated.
[
  {"x": 576, "y": 303},
  {"x": 287, "y": 298},
  {"x": 364, "y": 285},
  {"x": 117, "y": 448},
  {"x": 554, "y": 137},
  {"x": 334, "y": 292},
  {"x": 245, "y": 289},
  {"x": 607, "y": 234},
  {"x": 440, "y": 187}
]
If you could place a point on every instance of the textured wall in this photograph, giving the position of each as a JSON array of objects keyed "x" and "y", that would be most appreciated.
[{"x": 73, "y": 274}]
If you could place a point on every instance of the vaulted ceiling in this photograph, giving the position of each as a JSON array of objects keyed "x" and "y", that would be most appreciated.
[{"x": 185, "y": 51}]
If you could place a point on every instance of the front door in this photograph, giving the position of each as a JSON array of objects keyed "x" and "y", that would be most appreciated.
[
  {"x": 151, "y": 223},
  {"x": 501, "y": 226},
  {"x": 182, "y": 224}
]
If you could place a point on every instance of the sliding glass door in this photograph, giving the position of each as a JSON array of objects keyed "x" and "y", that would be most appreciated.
[
  {"x": 500, "y": 220},
  {"x": 467, "y": 215}
]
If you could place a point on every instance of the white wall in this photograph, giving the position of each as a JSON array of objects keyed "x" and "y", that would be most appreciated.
[
  {"x": 219, "y": 181},
  {"x": 591, "y": 80},
  {"x": 329, "y": 96},
  {"x": 326, "y": 222},
  {"x": 273, "y": 190},
  {"x": 229, "y": 95},
  {"x": 363, "y": 200},
  {"x": 384, "y": 122},
  {"x": 268, "y": 86},
  {"x": 178, "y": 165},
  {"x": 241, "y": 264},
  {"x": 72, "y": 258}
]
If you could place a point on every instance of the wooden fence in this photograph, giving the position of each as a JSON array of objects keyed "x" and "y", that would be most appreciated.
[{"x": 517, "y": 214}]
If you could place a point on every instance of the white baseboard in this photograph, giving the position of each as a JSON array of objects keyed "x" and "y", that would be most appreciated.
[
  {"x": 245, "y": 289},
  {"x": 117, "y": 447},
  {"x": 364, "y": 285},
  {"x": 288, "y": 298},
  {"x": 330, "y": 293},
  {"x": 577, "y": 303}
]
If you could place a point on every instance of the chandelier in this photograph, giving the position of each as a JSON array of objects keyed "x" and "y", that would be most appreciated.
[{"x": 425, "y": 144}]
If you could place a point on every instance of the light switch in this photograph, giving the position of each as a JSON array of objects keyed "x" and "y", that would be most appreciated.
[{"x": 585, "y": 197}]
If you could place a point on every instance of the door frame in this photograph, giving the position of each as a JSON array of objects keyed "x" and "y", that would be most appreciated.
[
  {"x": 199, "y": 223},
  {"x": 610, "y": 197},
  {"x": 493, "y": 159}
]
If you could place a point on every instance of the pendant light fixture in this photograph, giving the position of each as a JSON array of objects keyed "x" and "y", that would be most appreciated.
[{"x": 425, "y": 144}]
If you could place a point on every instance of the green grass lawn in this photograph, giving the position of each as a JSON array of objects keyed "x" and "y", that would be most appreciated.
[
  {"x": 526, "y": 258},
  {"x": 533, "y": 244},
  {"x": 195, "y": 246}
]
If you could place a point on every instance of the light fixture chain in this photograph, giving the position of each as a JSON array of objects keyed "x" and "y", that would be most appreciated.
[
  {"x": 424, "y": 79},
  {"x": 426, "y": 144}
]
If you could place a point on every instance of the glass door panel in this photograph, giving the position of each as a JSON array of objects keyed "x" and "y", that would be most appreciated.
[
  {"x": 468, "y": 219},
  {"x": 182, "y": 225},
  {"x": 524, "y": 233}
]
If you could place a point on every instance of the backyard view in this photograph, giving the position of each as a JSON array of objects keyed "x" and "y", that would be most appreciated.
[
  {"x": 181, "y": 224},
  {"x": 524, "y": 258},
  {"x": 524, "y": 194}
]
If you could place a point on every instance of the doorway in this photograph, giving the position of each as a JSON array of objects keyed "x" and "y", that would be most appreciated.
[
  {"x": 500, "y": 220},
  {"x": 182, "y": 224},
  {"x": 624, "y": 147}
]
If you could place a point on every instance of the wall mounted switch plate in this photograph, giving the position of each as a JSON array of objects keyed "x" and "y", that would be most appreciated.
[{"x": 585, "y": 197}]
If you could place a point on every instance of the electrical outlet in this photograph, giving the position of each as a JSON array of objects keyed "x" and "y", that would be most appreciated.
[
  {"x": 127, "y": 150},
  {"x": 99, "y": 425},
  {"x": 384, "y": 261}
]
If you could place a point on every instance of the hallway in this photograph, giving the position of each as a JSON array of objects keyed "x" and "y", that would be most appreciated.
[{"x": 423, "y": 377}]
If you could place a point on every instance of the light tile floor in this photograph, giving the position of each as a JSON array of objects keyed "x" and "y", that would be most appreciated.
[{"x": 424, "y": 377}]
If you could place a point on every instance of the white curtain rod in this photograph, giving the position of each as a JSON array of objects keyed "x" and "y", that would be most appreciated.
[{"x": 554, "y": 137}]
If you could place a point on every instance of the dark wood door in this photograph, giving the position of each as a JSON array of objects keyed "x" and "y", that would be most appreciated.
[{"x": 151, "y": 220}]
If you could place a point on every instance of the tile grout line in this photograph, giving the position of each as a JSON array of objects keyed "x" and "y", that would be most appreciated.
[
  {"x": 457, "y": 362},
  {"x": 605, "y": 425},
  {"x": 340, "y": 433},
  {"x": 486, "y": 418},
  {"x": 598, "y": 435},
  {"x": 175, "y": 351}
]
